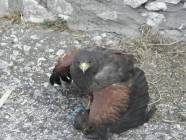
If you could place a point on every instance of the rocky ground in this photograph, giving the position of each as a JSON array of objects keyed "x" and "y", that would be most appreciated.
[{"x": 34, "y": 110}]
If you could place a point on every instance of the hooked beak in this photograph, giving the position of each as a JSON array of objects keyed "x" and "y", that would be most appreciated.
[{"x": 84, "y": 66}]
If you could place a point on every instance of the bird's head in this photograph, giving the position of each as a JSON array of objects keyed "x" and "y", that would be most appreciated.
[{"x": 86, "y": 61}]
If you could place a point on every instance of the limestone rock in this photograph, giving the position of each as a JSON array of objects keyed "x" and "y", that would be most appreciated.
[
  {"x": 153, "y": 18},
  {"x": 170, "y": 1},
  {"x": 34, "y": 12},
  {"x": 174, "y": 34},
  {"x": 134, "y": 3},
  {"x": 184, "y": 6},
  {"x": 15, "y": 5},
  {"x": 62, "y": 8},
  {"x": 109, "y": 15},
  {"x": 3, "y": 7},
  {"x": 156, "y": 6},
  {"x": 91, "y": 15}
]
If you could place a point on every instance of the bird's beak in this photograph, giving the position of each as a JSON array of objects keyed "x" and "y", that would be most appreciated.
[{"x": 84, "y": 66}]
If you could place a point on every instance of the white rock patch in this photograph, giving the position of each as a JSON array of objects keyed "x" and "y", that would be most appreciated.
[
  {"x": 170, "y": 1},
  {"x": 156, "y": 6},
  {"x": 154, "y": 19},
  {"x": 34, "y": 12},
  {"x": 134, "y": 3}
]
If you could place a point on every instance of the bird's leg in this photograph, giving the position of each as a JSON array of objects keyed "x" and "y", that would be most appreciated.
[
  {"x": 90, "y": 99},
  {"x": 89, "y": 102}
]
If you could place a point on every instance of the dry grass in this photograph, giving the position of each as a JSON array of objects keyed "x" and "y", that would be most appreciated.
[
  {"x": 164, "y": 62},
  {"x": 14, "y": 17},
  {"x": 57, "y": 25}
]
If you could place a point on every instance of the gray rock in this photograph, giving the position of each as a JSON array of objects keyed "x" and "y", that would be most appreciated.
[
  {"x": 26, "y": 48},
  {"x": 134, "y": 3},
  {"x": 101, "y": 15},
  {"x": 3, "y": 65},
  {"x": 175, "y": 20},
  {"x": 115, "y": 17},
  {"x": 174, "y": 34},
  {"x": 34, "y": 12},
  {"x": 60, "y": 52},
  {"x": 170, "y": 1},
  {"x": 3, "y": 7},
  {"x": 156, "y": 6},
  {"x": 60, "y": 7},
  {"x": 34, "y": 37},
  {"x": 154, "y": 19},
  {"x": 15, "y": 5},
  {"x": 184, "y": 5},
  {"x": 109, "y": 15}
]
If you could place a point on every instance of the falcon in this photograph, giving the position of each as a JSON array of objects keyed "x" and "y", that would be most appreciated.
[
  {"x": 92, "y": 68},
  {"x": 116, "y": 108}
]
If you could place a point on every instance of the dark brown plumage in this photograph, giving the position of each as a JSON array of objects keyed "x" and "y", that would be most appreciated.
[
  {"x": 93, "y": 68},
  {"x": 117, "y": 108},
  {"x": 108, "y": 103},
  {"x": 118, "y": 90}
]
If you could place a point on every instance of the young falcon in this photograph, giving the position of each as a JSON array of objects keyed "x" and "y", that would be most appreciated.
[
  {"x": 116, "y": 108},
  {"x": 93, "y": 68}
]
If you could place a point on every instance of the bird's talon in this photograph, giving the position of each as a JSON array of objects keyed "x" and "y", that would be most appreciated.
[{"x": 89, "y": 103}]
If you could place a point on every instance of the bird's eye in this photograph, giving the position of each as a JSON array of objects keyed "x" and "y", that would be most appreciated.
[
  {"x": 89, "y": 62},
  {"x": 77, "y": 61}
]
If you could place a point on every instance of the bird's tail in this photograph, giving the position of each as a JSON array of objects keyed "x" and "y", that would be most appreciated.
[{"x": 139, "y": 83}]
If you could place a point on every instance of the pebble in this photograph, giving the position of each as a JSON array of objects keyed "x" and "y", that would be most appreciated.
[
  {"x": 3, "y": 44},
  {"x": 34, "y": 37},
  {"x": 15, "y": 39},
  {"x": 26, "y": 48},
  {"x": 15, "y": 52},
  {"x": 50, "y": 50},
  {"x": 60, "y": 52}
]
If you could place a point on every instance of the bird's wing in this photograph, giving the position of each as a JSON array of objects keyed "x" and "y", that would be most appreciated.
[
  {"x": 115, "y": 68},
  {"x": 108, "y": 104},
  {"x": 62, "y": 68}
]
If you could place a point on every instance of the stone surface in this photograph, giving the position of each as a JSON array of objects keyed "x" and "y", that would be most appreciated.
[
  {"x": 156, "y": 6},
  {"x": 109, "y": 15},
  {"x": 112, "y": 17},
  {"x": 105, "y": 15},
  {"x": 3, "y": 7},
  {"x": 134, "y": 3},
  {"x": 170, "y": 1},
  {"x": 34, "y": 12},
  {"x": 15, "y": 5},
  {"x": 184, "y": 5},
  {"x": 154, "y": 19},
  {"x": 174, "y": 34},
  {"x": 60, "y": 7}
]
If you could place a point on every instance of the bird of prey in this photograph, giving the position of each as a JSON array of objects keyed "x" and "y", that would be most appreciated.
[
  {"x": 92, "y": 68},
  {"x": 116, "y": 108}
]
